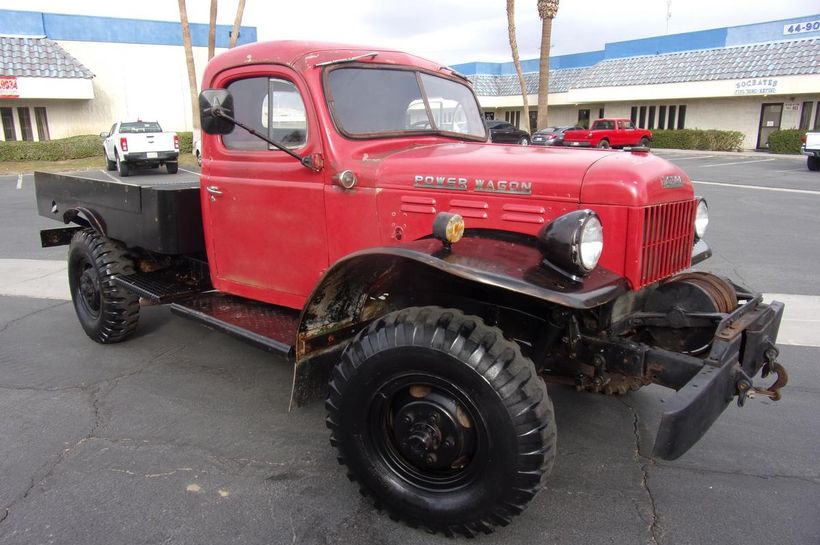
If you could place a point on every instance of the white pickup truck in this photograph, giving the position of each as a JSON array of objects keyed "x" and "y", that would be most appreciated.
[
  {"x": 811, "y": 147},
  {"x": 140, "y": 143}
]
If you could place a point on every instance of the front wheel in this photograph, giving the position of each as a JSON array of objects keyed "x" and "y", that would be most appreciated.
[
  {"x": 813, "y": 163},
  {"x": 524, "y": 141},
  {"x": 441, "y": 420},
  {"x": 644, "y": 142},
  {"x": 107, "y": 312}
]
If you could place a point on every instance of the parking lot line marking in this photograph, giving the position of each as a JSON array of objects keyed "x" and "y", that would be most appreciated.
[
  {"x": 47, "y": 279},
  {"x": 189, "y": 171},
  {"x": 738, "y": 163},
  {"x": 110, "y": 176},
  {"x": 760, "y": 187},
  {"x": 671, "y": 156}
]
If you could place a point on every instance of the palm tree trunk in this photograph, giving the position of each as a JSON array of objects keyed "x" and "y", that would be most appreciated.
[
  {"x": 240, "y": 9},
  {"x": 544, "y": 69},
  {"x": 517, "y": 61},
  {"x": 189, "y": 59},
  {"x": 212, "y": 31}
]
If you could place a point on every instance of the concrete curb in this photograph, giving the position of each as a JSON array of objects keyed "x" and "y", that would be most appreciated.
[{"x": 747, "y": 153}]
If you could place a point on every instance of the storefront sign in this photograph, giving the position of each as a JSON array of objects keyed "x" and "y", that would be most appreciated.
[
  {"x": 8, "y": 87},
  {"x": 756, "y": 86}
]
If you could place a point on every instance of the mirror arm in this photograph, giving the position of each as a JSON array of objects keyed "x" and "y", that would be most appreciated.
[{"x": 306, "y": 161}]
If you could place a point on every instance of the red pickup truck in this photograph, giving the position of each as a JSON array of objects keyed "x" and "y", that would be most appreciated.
[
  {"x": 426, "y": 284},
  {"x": 608, "y": 133}
]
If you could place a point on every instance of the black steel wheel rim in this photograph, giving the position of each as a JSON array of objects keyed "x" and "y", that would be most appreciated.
[
  {"x": 428, "y": 432},
  {"x": 88, "y": 288}
]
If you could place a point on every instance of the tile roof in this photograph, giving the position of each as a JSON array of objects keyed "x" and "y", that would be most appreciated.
[
  {"x": 38, "y": 58},
  {"x": 789, "y": 58}
]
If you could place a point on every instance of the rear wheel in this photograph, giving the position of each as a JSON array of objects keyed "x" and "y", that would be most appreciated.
[
  {"x": 109, "y": 164},
  {"x": 172, "y": 167},
  {"x": 107, "y": 312},
  {"x": 604, "y": 144},
  {"x": 524, "y": 141},
  {"x": 122, "y": 167},
  {"x": 813, "y": 162},
  {"x": 441, "y": 420}
]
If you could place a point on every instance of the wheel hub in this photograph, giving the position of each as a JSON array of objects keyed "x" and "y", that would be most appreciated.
[
  {"x": 430, "y": 434},
  {"x": 90, "y": 290}
]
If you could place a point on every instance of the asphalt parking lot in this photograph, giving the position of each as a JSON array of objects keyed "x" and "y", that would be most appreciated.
[{"x": 183, "y": 435}]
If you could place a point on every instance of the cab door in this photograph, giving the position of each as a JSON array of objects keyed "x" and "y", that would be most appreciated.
[{"x": 263, "y": 210}]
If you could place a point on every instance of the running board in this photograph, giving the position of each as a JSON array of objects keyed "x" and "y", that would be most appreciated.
[
  {"x": 263, "y": 325},
  {"x": 164, "y": 286}
]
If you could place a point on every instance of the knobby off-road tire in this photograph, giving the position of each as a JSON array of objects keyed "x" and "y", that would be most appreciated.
[
  {"x": 441, "y": 420},
  {"x": 107, "y": 312}
]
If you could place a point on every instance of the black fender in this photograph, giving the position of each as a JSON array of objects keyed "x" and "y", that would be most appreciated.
[{"x": 505, "y": 270}]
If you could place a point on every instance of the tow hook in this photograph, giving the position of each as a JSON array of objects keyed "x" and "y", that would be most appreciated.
[{"x": 745, "y": 388}]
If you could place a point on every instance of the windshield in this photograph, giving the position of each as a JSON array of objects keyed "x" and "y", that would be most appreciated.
[
  {"x": 140, "y": 126},
  {"x": 367, "y": 101}
]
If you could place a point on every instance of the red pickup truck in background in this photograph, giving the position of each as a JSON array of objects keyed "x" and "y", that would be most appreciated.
[{"x": 608, "y": 133}]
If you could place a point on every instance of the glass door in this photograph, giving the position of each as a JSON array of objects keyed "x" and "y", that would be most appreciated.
[{"x": 770, "y": 115}]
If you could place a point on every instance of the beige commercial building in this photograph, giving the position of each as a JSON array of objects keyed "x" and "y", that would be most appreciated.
[{"x": 753, "y": 79}]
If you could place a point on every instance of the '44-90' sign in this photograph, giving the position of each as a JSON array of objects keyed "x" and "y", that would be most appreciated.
[
  {"x": 800, "y": 28},
  {"x": 8, "y": 87}
]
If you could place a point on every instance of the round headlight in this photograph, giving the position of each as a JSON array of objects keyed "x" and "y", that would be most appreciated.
[
  {"x": 701, "y": 218},
  {"x": 592, "y": 242},
  {"x": 448, "y": 228},
  {"x": 572, "y": 243}
]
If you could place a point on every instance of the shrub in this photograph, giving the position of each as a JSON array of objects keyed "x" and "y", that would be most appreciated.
[
  {"x": 75, "y": 147},
  {"x": 712, "y": 140},
  {"x": 785, "y": 141},
  {"x": 186, "y": 144}
]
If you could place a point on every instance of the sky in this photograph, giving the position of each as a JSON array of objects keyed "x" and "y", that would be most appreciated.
[{"x": 451, "y": 31}]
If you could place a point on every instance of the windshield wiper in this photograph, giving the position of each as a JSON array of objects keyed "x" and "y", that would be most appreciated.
[{"x": 350, "y": 59}]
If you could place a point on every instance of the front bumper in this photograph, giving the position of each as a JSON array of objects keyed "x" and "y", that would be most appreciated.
[{"x": 743, "y": 343}]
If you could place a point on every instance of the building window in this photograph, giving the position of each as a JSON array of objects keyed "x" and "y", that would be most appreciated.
[
  {"x": 681, "y": 115},
  {"x": 817, "y": 118},
  {"x": 42, "y": 123},
  {"x": 661, "y": 117},
  {"x": 600, "y": 113},
  {"x": 533, "y": 120},
  {"x": 651, "y": 121},
  {"x": 9, "y": 133},
  {"x": 633, "y": 114},
  {"x": 583, "y": 118},
  {"x": 25, "y": 124},
  {"x": 513, "y": 117},
  {"x": 642, "y": 118},
  {"x": 671, "y": 119},
  {"x": 805, "y": 116},
  {"x": 489, "y": 116}
]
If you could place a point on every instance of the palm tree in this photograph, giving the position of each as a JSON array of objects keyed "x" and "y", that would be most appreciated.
[
  {"x": 240, "y": 9},
  {"x": 212, "y": 31},
  {"x": 547, "y": 10},
  {"x": 517, "y": 61},
  {"x": 189, "y": 59}
]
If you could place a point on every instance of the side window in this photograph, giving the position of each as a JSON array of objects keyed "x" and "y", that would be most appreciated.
[
  {"x": 629, "y": 125},
  {"x": 269, "y": 106},
  {"x": 620, "y": 125}
]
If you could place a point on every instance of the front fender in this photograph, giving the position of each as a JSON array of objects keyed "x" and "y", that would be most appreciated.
[{"x": 506, "y": 269}]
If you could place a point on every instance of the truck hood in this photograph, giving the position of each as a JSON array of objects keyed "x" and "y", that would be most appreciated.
[{"x": 554, "y": 174}]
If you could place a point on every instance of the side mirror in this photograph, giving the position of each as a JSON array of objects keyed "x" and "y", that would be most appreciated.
[
  {"x": 213, "y": 105},
  {"x": 104, "y": 134}
]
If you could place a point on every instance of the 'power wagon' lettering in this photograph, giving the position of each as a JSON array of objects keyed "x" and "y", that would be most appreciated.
[{"x": 479, "y": 185}]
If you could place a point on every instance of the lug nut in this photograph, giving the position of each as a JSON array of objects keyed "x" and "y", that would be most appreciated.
[
  {"x": 430, "y": 459},
  {"x": 407, "y": 419}
]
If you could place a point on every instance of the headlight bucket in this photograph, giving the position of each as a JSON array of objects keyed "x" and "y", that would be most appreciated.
[
  {"x": 572, "y": 243},
  {"x": 701, "y": 217}
]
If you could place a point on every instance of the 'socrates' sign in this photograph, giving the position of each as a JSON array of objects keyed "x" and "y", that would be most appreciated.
[
  {"x": 801, "y": 28},
  {"x": 756, "y": 86},
  {"x": 8, "y": 87}
]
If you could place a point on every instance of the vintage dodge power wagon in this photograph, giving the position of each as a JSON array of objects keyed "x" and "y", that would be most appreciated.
[{"x": 351, "y": 215}]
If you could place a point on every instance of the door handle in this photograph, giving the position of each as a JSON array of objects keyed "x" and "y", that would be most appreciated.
[{"x": 213, "y": 190}]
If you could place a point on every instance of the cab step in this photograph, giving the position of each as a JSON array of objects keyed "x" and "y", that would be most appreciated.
[
  {"x": 163, "y": 286},
  {"x": 263, "y": 325}
]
